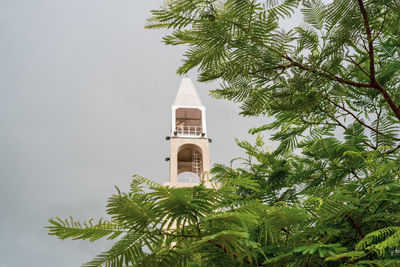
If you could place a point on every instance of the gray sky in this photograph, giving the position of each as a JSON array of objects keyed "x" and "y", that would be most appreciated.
[{"x": 85, "y": 98}]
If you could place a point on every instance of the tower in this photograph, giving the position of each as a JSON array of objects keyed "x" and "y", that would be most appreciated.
[{"x": 189, "y": 145}]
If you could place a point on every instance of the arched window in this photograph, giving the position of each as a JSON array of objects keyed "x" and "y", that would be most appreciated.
[{"x": 190, "y": 163}]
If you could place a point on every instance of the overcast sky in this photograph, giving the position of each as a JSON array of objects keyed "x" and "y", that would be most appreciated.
[{"x": 85, "y": 99}]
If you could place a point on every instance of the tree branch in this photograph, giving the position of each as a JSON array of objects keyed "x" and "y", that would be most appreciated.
[
  {"x": 380, "y": 29},
  {"x": 327, "y": 75},
  {"x": 357, "y": 119},
  {"x": 356, "y": 227},
  {"x": 388, "y": 99},
  {"x": 358, "y": 66},
  {"x": 370, "y": 49},
  {"x": 392, "y": 150},
  {"x": 277, "y": 67},
  {"x": 338, "y": 123}
]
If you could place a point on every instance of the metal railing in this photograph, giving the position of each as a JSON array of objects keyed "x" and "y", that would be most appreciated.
[{"x": 188, "y": 130}]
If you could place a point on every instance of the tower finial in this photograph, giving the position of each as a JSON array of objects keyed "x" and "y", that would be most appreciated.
[{"x": 187, "y": 94}]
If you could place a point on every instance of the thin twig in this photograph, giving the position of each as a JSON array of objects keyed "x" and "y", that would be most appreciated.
[
  {"x": 358, "y": 66},
  {"x": 327, "y": 75},
  {"x": 338, "y": 123},
  {"x": 392, "y": 150},
  {"x": 358, "y": 119}
]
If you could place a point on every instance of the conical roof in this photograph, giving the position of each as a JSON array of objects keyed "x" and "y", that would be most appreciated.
[{"x": 187, "y": 94}]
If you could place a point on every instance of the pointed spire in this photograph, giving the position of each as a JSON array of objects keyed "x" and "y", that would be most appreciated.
[{"x": 187, "y": 94}]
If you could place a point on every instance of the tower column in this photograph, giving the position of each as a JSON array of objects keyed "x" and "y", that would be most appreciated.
[
  {"x": 189, "y": 147},
  {"x": 173, "y": 164}
]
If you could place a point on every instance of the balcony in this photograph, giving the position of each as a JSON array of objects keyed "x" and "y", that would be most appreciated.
[{"x": 188, "y": 130}]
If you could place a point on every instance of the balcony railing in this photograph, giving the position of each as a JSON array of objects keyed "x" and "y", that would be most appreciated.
[{"x": 188, "y": 130}]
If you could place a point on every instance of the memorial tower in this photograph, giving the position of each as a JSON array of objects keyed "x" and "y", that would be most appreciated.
[{"x": 189, "y": 145}]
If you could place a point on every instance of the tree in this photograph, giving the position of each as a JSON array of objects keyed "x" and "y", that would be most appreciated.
[{"x": 328, "y": 195}]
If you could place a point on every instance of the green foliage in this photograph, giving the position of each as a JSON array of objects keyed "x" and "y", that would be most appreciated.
[
  {"x": 381, "y": 240},
  {"x": 316, "y": 75},
  {"x": 328, "y": 195},
  {"x": 171, "y": 226},
  {"x": 70, "y": 228}
]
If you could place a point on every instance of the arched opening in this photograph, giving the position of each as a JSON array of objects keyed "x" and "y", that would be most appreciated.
[
  {"x": 188, "y": 121},
  {"x": 190, "y": 163}
]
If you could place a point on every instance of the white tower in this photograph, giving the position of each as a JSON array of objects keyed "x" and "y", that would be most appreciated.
[{"x": 189, "y": 150}]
